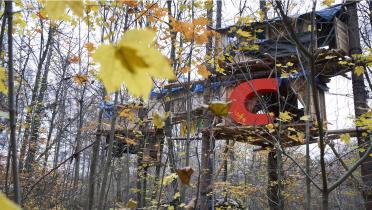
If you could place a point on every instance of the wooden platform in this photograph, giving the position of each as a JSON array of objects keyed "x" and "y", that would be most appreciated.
[
  {"x": 264, "y": 136},
  {"x": 288, "y": 134}
]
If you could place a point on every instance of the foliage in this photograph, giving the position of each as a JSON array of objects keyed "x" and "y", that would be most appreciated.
[
  {"x": 133, "y": 59},
  {"x": 7, "y": 204}
]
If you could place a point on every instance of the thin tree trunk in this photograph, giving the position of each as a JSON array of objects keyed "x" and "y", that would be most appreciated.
[
  {"x": 33, "y": 144},
  {"x": 93, "y": 165},
  {"x": 106, "y": 168},
  {"x": 360, "y": 100},
  {"x": 78, "y": 138},
  {"x": 273, "y": 191},
  {"x": 12, "y": 108},
  {"x": 29, "y": 116},
  {"x": 206, "y": 201}
]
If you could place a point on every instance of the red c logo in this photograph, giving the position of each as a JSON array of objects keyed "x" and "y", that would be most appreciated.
[{"x": 242, "y": 93}]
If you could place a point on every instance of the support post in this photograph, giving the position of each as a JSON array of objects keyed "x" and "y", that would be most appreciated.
[
  {"x": 206, "y": 173},
  {"x": 360, "y": 100},
  {"x": 273, "y": 186}
]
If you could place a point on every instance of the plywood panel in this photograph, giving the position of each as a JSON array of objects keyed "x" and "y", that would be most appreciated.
[{"x": 342, "y": 35}]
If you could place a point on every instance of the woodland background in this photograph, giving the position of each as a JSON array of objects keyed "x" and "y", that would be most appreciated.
[{"x": 55, "y": 102}]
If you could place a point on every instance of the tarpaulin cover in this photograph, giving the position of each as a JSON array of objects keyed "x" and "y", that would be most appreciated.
[
  {"x": 284, "y": 47},
  {"x": 329, "y": 12},
  {"x": 199, "y": 88}
]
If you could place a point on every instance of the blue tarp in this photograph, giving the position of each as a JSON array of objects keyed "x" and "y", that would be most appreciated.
[
  {"x": 199, "y": 88},
  {"x": 196, "y": 88},
  {"x": 108, "y": 108},
  {"x": 329, "y": 12}
]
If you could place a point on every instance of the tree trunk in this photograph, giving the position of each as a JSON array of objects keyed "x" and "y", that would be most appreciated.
[
  {"x": 93, "y": 165},
  {"x": 360, "y": 100},
  {"x": 33, "y": 144},
  {"x": 274, "y": 194},
  {"x": 106, "y": 168},
  {"x": 28, "y": 120},
  {"x": 12, "y": 108},
  {"x": 78, "y": 138}
]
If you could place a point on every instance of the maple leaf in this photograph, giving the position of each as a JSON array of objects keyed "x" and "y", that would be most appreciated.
[
  {"x": 345, "y": 138},
  {"x": 3, "y": 86},
  {"x": 130, "y": 141},
  {"x": 185, "y": 69},
  {"x": 245, "y": 34},
  {"x": 270, "y": 128},
  {"x": 132, "y": 204},
  {"x": 359, "y": 70},
  {"x": 169, "y": 179},
  {"x": 285, "y": 116},
  {"x": 130, "y": 3},
  {"x": 201, "y": 38},
  {"x": 89, "y": 46},
  {"x": 202, "y": 70},
  {"x": 57, "y": 9},
  {"x": 80, "y": 79},
  {"x": 219, "y": 108},
  {"x": 133, "y": 61},
  {"x": 185, "y": 174},
  {"x": 41, "y": 15},
  {"x": 7, "y": 204},
  {"x": 158, "y": 120},
  {"x": 202, "y": 21},
  {"x": 328, "y": 2},
  {"x": 74, "y": 59},
  {"x": 305, "y": 118},
  {"x": 124, "y": 113}
]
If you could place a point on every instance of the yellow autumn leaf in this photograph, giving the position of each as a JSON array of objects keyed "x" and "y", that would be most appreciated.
[
  {"x": 328, "y": 57},
  {"x": 285, "y": 116},
  {"x": 124, "y": 113},
  {"x": 185, "y": 69},
  {"x": 284, "y": 75},
  {"x": 183, "y": 129},
  {"x": 305, "y": 118},
  {"x": 3, "y": 78},
  {"x": 176, "y": 195},
  {"x": 133, "y": 61},
  {"x": 245, "y": 34},
  {"x": 89, "y": 46},
  {"x": 80, "y": 79},
  {"x": 359, "y": 70},
  {"x": 169, "y": 179},
  {"x": 203, "y": 71},
  {"x": 7, "y": 204},
  {"x": 345, "y": 138},
  {"x": 343, "y": 62},
  {"x": 74, "y": 59},
  {"x": 56, "y": 10},
  {"x": 130, "y": 141},
  {"x": 299, "y": 137},
  {"x": 219, "y": 69},
  {"x": 159, "y": 120},
  {"x": 219, "y": 108},
  {"x": 289, "y": 63},
  {"x": 132, "y": 204},
  {"x": 328, "y": 2},
  {"x": 270, "y": 127}
]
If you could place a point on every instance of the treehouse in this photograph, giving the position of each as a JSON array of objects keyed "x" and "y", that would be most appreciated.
[
  {"x": 265, "y": 75},
  {"x": 128, "y": 137}
]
